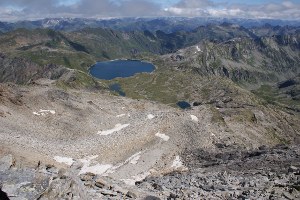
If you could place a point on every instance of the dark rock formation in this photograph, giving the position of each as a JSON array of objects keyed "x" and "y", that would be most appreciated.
[
  {"x": 3, "y": 195},
  {"x": 22, "y": 71}
]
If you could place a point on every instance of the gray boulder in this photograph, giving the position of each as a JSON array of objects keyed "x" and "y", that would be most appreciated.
[{"x": 6, "y": 162}]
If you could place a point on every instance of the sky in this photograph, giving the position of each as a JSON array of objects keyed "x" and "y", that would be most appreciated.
[{"x": 14, "y": 10}]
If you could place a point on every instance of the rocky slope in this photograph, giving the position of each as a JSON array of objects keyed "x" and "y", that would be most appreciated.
[
  {"x": 251, "y": 61},
  {"x": 284, "y": 93},
  {"x": 291, "y": 88},
  {"x": 118, "y": 141},
  {"x": 232, "y": 174},
  {"x": 22, "y": 71}
]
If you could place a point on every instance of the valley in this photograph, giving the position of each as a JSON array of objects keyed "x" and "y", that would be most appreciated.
[{"x": 66, "y": 134}]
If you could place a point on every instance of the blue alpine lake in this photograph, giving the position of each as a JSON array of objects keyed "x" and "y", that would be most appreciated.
[{"x": 119, "y": 68}]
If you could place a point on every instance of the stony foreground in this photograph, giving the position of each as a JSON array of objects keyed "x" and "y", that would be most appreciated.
[{"x": 258, "y": 174}]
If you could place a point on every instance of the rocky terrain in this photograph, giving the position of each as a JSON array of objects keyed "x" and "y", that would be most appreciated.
[
  {"x": 22, "y": 71},
  {"x": 265, "y": 173},
  {"x": 248, "y": 60},
  {"x": 84, "y": 144},
  {"x": 233, "y": 174}
]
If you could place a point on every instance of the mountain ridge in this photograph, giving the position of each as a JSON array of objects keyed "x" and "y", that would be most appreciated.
[{"x": 166, "y": 24}]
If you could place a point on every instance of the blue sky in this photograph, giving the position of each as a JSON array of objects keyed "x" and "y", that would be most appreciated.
[{"x": 12, "y": 10}]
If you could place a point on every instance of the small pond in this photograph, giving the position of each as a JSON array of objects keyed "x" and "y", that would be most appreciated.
[
  {"x": 183, "y": 104},
  {"x": 119, "y": 68}
]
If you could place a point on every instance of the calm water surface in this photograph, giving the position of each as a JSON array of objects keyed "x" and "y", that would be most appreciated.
[
  {"x": 183, "y": 104},
  {"x": 119, "y": 68}
]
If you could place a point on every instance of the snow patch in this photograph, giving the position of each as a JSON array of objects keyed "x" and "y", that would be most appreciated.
[
  {"x": 105, "y": 169},
  {"x": 134, "y": 158},
  {"x": 133, "y": 179},
  {"x": 88, "y": 159},
  {"x": 198, "y": 48},
  {"x": 117, "y": 127},
  {"x": 65, "y": 160},
  {"x": 121, "y": 115},
  {"x": 42, "y": 112},
  {"x": 96, "y": 169},
  {"x": 150, "y": 116},
  {"x": 177, "y": 163},
  {"x": 101, "y": 169},
  {"x": 162, "y": 136},
  {"x": 194, "y": 118}
]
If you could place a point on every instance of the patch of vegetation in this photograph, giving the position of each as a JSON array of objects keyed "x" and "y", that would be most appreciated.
[
  {"x": 163, "y": 86},
  {"x": 78, "y": 47},
  {"x": 28, "y": 47},
  {"x": 275, "y": 137},
  {"x": 245, "y": 115},
  {"x": 105, "y": 55},
  {"x": 205, "y": 92},
  {"x": 267, "y": 93},
  {"x": 80, "y": 61},
  {"x": 251, "y": 61},
  {"x": 78, "y": 79},
  {"x": 52, "y": 43},
  {"x": 272, "y": 95},
  {"x": 67, "y": 61},
  {"x": 216, "y": 64},
  {"x": 216, "y": 116}
]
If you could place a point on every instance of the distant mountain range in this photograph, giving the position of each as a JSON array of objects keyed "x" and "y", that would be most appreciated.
[
  {"x": 165, "y": 24},
  {"x": 251, "y": 57}
]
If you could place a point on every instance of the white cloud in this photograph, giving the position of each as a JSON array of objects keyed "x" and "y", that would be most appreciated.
[
  {"x": 33, "y": 9},
  {"x": 194, "y": 4},
  {"x": 30, "y": 9},
  {"x": 282, "y": 10}
]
